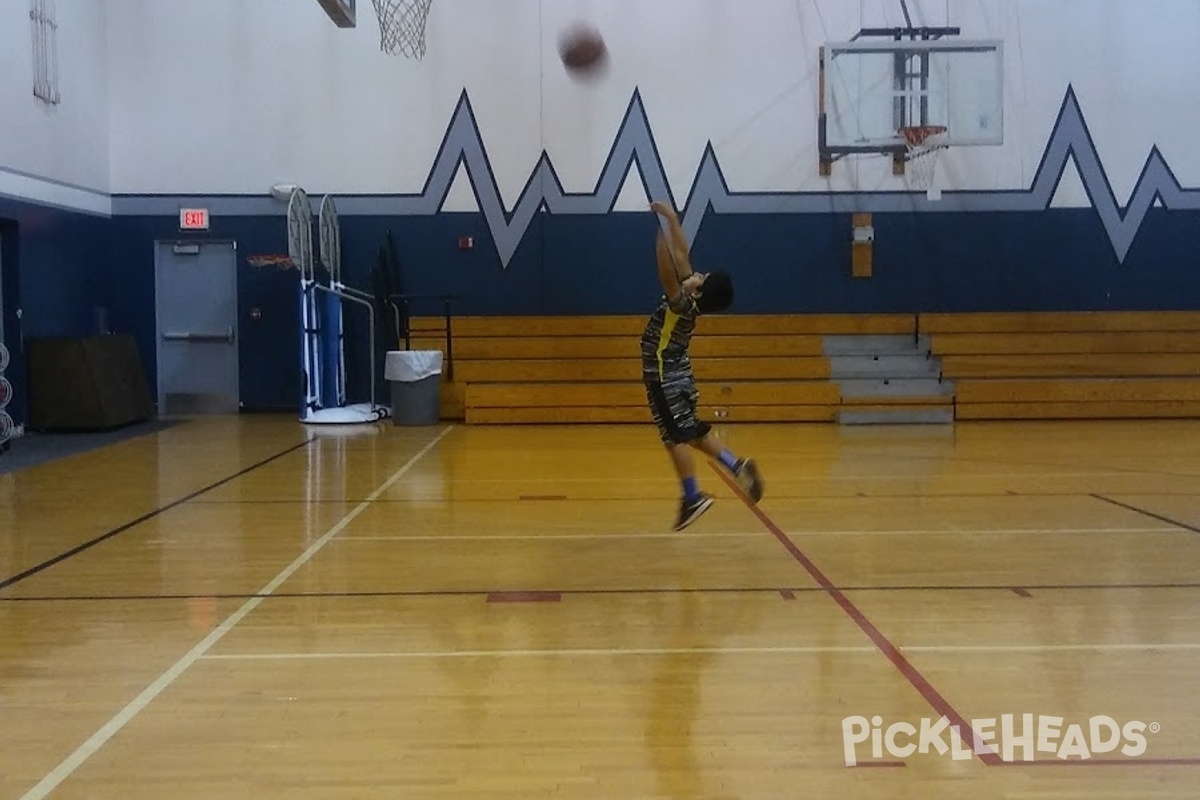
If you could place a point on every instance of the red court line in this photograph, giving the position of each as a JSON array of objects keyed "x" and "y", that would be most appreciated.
[
  {"x": 787, "y": 594},
  {"x": 918, "y": 681},
  {"x": 1019, "y": 592},
  {"x": 524, "y": 597}
]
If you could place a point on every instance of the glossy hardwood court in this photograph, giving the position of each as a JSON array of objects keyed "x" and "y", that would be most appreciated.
[{"x": 243, "y": 608}]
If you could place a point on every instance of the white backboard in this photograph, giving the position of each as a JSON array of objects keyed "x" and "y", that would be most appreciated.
[{"x": 872, "y": 87}]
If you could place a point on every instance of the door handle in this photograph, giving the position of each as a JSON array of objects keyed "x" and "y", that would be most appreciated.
[{"x": 189, "y": 336}]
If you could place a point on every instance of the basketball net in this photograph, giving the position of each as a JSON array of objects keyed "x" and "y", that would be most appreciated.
[
  {"x": 924, "y": 144},
  {"x": 402, "y": 26},
  {"x": 278, "y": 261}
]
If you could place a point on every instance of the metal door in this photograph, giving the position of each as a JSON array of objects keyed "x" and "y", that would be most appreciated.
[{"x": 196, "y": 302}]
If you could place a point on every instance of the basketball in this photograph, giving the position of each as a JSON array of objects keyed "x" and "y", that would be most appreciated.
[{"x": 582, "y": 50}]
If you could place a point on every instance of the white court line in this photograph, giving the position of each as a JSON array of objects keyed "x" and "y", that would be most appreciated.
[
  {"x": 748, "y": 534},
  {"x": 535, "y": 537},
  {"x": 601, "y": 651},
  {"x": 660, "y": 651},
  {"x": 1045, "y": 648},
  {"x": 114, "y": 725},
  {"x": 981, "y": 531}
]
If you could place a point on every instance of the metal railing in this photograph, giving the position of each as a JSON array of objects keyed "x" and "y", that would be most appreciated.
[{"x": 401, "y": 304}]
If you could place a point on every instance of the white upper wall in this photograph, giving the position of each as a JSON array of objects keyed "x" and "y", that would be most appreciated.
[
  {"x": 65, "y": 143},
  {"x": 233, "y": 96}
]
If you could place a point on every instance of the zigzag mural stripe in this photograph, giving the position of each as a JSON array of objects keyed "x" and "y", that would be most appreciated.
[{"x": 634, "y": 143}]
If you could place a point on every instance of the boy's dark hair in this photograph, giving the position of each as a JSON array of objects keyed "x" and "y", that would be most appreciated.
[{"x": 716, "y": 294}]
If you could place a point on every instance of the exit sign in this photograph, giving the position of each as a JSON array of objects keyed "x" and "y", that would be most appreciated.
[{"x": 193, "y": 219}]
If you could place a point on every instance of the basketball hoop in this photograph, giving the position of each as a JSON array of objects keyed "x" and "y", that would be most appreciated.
[
  {"x": 271, "y": 260},
  {"x": 402, "y": 26},
  {"x": 299, "y": 216},
  {"x": 923, "y": 143}
]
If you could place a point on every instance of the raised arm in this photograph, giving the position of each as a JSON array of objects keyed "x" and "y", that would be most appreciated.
[
  {"x": 672, "y": 251},
  {"x": 668, "y": 275}
]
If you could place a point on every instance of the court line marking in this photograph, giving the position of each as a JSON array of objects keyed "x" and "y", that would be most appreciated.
[
  {"x": 1048, "y": 648},
  {"x": 805, "y": 478},
  {"x": 592, "y": 651},
  {"x": 613, "y": 591},
  {"x": 919, "y": 682},
  {"x": 550, "y": 536},
  {"x": 1144, "y": 512},
  {"x": 663, "y": 651},
  {"x": 149, "y": 515},
  {"x": 1025, "y": 462},
  {"x": 856, "y": 496},
  {"x": 97, "y": 740},
  {"x": 747, "y": 534}
]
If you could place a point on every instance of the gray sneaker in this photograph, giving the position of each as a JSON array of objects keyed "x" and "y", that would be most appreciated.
[
  {"x": 690, "y": 511},
  {"x": 747, "y": 477}
]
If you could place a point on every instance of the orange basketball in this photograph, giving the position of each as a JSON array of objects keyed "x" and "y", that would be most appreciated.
[{"x": 582, "y": 50}]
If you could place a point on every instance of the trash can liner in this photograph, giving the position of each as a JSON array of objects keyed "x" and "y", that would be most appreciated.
[{"x": 412, "y": 365}]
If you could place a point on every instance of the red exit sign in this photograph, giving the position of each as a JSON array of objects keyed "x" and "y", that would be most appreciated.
[{"x": 193, "y": 219}]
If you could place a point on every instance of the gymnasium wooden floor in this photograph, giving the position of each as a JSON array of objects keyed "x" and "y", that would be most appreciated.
[{"x": 232, "y": 609}]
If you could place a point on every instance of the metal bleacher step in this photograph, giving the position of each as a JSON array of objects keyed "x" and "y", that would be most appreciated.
[
  {"x": 895, "y": 387},
  {"x": 897, "y": 415},
  {"x": 874, "y": 344},
  {"x": 888, "y": 380},
  {"x": 883, "y": 366}
]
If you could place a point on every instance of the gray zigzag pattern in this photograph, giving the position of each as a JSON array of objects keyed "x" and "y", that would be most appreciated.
[
  {"x": 635, "y": 142},
  {"x": 463, "y": 144}
]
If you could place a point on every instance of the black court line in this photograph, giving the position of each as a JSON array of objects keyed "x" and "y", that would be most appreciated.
[
  {"x": 436, "y": 593},
  {"x": 1146, "y": 513},
  {"x": 20, "y": 576}
]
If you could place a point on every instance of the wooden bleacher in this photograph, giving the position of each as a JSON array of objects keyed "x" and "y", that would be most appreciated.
[
  {"x": 1069, "y": 365},
  {"x": 764, "y": 368},
  {"x": 771, "y": 368}
]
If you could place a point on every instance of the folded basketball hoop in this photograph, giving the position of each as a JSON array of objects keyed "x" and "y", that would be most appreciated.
[
  {"x": 402, "y": 26},
  {"x": 923, "y": 143},
  {"x": 279, "y": 261}
]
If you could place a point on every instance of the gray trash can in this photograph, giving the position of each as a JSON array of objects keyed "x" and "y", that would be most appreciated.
[{"x": 415, "y": 376}]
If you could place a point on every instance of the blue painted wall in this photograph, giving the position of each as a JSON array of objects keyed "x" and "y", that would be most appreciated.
[
  {"x": 69, "y": 264},
  {"x": 1058, "y": 259},
  {"x": 57, "y": 268}
]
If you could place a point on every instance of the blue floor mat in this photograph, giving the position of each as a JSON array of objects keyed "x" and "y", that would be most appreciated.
[{"x": 33, "y": 449}]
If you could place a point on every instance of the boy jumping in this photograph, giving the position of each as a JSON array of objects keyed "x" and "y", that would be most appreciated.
[{"x": 667, "y": 369}]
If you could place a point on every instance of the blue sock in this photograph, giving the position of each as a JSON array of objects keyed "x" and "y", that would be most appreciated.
[
  {"x": 729, "y": 460},
  {"x": 690, "y": 488}
]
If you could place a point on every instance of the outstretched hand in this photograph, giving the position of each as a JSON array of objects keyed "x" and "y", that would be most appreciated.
[{"x": 659, "y": 207}]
